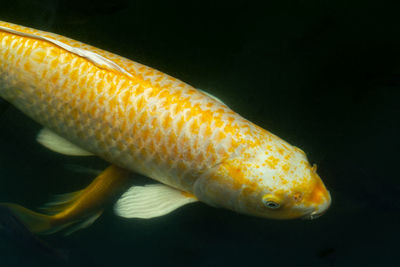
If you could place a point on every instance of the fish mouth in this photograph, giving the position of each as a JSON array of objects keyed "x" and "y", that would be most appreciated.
[
  {"x": 314, "y": 215},
  {"x": 320, "y": 209}
]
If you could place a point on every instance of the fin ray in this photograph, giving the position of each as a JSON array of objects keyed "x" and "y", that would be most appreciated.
[
  {"x": 151, "y": 201},
  {"x": 60, "y": 202},
  {"x": 84, "y": 224}
]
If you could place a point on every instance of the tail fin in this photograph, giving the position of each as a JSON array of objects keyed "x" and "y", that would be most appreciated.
[
  {"x": 75, "y": 210},
  {"x": 35, "y": 222},
  {"x": 16, "y": 232}
]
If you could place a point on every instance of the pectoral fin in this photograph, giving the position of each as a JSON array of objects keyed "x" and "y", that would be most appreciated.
[
  {"x": 58, "y": 144},
  {"x": 151, "y": 201}
]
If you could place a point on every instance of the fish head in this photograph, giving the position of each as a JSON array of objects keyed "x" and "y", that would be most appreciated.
[{"x": 275, "y": 180}]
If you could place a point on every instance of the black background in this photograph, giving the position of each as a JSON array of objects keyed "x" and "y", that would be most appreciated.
[{"x": 323, "y": 75}]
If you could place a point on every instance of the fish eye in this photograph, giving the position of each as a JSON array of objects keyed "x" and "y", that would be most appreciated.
[{"x": 271, "y": 202}]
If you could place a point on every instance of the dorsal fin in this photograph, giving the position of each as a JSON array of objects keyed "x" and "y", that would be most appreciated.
[
  {"x": 210, "y": 95},
  {"x": 93, "y": 57}
]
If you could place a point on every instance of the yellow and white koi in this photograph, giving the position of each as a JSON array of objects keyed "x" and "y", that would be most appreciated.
[{"x": 92, "y": 102}]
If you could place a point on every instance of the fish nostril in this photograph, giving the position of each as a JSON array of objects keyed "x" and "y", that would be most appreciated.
[{"x": 298, "y": 197}]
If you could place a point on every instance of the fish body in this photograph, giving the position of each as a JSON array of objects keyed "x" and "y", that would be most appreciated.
[{"x": 150, "y": 123}]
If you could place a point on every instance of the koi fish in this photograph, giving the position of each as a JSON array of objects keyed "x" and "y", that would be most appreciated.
[{"x": 92, "y": 102}]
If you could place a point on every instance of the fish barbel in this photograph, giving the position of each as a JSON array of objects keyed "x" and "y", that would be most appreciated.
[{"x": 92, "y": 102}]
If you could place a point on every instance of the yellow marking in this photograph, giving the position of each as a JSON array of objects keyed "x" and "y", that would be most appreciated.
[
  {"x": 145, "y": 133},
  {"x": 54, "y": 64},
  {"x": 39, "y": 55},
  {"x": 27, "y": 66},
  {"x": 317, "y": 195},
  {"x": 54, "y": 78},
  {"x": 272, "y": 162},
  {"x": 186, "y": 194},
  {"x": 194, "y": 127},
  {"x": 126, "y": 98},
  {"x": 132, "y": 114},
  {"x": 123, "y": 126},
  {"x": 20, "y": 49},
  {"x": 140, "y": 104},
  {"x": 285, "y": 167},
  {"x": 281, "y": 151},
  {"x": 180, "y": 124},
  {"x": 44, "y": 73},
  {"x": 166, "y": 124},
  {"x": 207, "y": 132}
]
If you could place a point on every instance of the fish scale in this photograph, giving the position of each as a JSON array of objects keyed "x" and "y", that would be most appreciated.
[{"x": 147, "y": 122}]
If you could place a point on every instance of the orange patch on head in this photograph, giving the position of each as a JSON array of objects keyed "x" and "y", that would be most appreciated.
[
  {"x": 237, "y": 175},
  {"x": 220, "y": 136},
  {"x": 281, "y": 151},
  {"x": 318, "y": 194},
  {"x": 285, "y": 167},
  {"x": 272, "y": 162}
]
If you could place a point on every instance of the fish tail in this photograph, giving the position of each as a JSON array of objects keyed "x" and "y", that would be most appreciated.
[
  {"x": 35, "y": 222},
  {"x": 39, "y": 223},
  {"x": 74, "y": 210}
]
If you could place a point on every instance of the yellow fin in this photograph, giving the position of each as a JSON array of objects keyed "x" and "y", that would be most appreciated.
[
  {"x": 74, "y": 210},
  {"x": 84, "y": 224},
  {"x": 35, "y": 222},
  {"x": 60, "y": 145},
  {"x": 151, "y": 201},
  {"x": 59, "y": 202}
]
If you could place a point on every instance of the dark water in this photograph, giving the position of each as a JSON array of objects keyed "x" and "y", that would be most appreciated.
[{"x": 325, "y": 76}]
